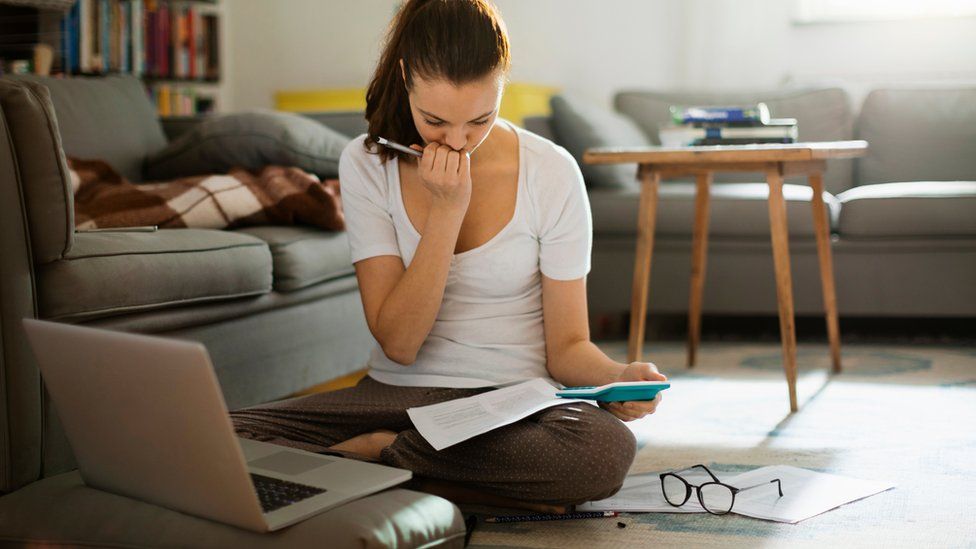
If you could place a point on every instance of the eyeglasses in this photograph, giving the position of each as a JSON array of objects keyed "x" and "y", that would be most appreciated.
[{"x": 715, "y": 497}]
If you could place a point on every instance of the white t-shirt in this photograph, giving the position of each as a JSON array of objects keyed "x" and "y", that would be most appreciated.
[{"x": 489, "y": 329}]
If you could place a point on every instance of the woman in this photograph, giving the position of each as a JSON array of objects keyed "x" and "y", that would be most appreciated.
[{"x": 471, "y": 264}]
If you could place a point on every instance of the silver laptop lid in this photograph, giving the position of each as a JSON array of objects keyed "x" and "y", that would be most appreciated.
[{"x": 146, "y": 419}]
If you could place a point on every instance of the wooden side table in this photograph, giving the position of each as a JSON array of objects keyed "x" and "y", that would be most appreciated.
[{"x": 776, "y": 161}]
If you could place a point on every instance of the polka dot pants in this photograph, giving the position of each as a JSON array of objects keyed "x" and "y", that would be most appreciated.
[{"x": 562, "y": 455}]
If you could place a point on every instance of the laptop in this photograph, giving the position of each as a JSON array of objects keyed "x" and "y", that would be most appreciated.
[{"x": 146, "y": 419}]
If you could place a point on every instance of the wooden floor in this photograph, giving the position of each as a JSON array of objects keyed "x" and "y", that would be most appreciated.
[{"x": 334, "y": 385}]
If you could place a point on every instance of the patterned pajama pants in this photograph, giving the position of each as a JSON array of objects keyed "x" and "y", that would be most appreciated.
[{"x": 563, "y": 455}]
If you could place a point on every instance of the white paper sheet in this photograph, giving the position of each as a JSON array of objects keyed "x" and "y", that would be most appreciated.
[
  {"x": 448, "y": 423},
  {"x": 642, "y": 494},
  {"x": 805, "y": 494}
]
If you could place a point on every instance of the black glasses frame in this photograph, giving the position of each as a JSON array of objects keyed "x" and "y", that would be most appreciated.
[{"x": 689, "y": 486}]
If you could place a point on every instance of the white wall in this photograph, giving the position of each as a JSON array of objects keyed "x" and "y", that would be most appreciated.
[
  {"x": 301, "y": 44},
  {"x": 582, "y": 45},
  {"x": 754, "y": 44},
  {"x": 597, "y": 47}
]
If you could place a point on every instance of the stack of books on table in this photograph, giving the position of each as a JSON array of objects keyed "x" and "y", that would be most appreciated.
[{"x": 698, "y": 126}]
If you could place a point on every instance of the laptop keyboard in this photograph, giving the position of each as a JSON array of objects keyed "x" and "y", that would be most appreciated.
[{"x": 274, "y": 493}]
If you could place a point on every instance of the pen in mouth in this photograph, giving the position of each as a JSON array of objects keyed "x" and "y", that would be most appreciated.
[
  {"x": 402, "y": 148},
  {"x": 396, "y": 146}
]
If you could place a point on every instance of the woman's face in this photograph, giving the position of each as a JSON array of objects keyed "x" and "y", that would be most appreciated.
[{"x": 457, "y": 116}]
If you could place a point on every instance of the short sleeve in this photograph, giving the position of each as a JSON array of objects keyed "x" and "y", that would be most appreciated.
[
  {"x": 566, "y": 228},
  {"x": 363, "y": 185}
]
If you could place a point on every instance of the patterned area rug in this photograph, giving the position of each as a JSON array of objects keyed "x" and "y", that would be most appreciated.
[{"x": 904, "y": 414}]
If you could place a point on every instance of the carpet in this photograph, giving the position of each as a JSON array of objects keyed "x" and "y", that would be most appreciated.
[{"x": 899, "y": 413}]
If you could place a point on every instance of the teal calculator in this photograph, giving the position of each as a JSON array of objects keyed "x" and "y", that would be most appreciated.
[{"x": 617, "y": 392}]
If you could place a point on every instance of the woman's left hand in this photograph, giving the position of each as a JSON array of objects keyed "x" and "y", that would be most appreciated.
[{"x": 636, "y": 409}]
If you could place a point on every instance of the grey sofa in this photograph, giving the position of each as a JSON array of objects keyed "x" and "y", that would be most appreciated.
[
  {"x": 277, "y": 307},
  {"x": 903, "y": 217}
]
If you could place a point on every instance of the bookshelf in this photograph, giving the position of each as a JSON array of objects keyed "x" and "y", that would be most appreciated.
[{"x": 173, "y": 46}]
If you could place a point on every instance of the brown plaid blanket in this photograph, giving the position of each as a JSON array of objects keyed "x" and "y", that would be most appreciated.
[{"x": 276, "y": 195}]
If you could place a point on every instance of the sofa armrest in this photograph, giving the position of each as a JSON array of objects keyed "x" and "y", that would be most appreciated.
[{"x": 32, "y": 207}]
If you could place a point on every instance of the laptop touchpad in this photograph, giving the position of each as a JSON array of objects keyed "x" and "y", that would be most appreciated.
[{"x": 290, "y": 463}]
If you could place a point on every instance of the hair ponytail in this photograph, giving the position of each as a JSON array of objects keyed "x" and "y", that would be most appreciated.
[{"x": 456, "y": 40}]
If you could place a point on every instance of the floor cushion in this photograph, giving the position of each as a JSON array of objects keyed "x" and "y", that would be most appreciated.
[{"x": 62, "y": 510}]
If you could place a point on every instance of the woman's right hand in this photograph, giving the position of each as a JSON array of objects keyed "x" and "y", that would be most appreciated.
[{"x": 446, "y": 173}]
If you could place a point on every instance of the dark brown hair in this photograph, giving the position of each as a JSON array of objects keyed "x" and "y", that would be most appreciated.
[{"x": 456, "y": 40}]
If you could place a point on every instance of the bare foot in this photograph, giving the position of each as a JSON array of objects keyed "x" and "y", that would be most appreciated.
[{"x": 367, "y": 444}]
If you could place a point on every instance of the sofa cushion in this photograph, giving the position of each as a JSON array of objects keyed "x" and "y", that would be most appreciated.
[
  {"x": 304, "y": 256},
  {"x": 918, "y": 135},
  {"x": 250, "y": 140},
  {"x": 348, "y": 123},
  {"x": 915, "y": 209},
  {"x": 822, "y": 115},
  {"x": 736, "y": 210},
  {"x": 122, "y": 271},
  {"x": 109, "y": 118},
  {"x": 63, "y": 511},
  {"x": 579, "y": 125}
]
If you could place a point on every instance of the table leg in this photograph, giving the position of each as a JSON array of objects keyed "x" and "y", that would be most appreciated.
[
  {"x": 784, "y": 285},
  {"x": 699, "y": 251},
  {"x": 646, "y": 216},
  {"x": 826, "y": 268}
]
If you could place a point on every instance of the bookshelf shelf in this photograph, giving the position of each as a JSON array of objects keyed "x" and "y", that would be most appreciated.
[{"x": 173, "y": 46}]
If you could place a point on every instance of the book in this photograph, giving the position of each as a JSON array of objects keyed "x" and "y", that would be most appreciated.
[
  {"x": 182, "y": 43},
  {"x": 69, "y": 39},
  {"x": 163, "y": 100},
  {"x": 104, "y": 36},
  {"x": 137, "y": 48},
  {"x": 163, "y": 41},
  {"x": 176, "y": 41},
  {"x": 125, "y": 36},
  {"x": 212, "y": 27},
  {"x": 64, "y": 48},
  {"x": 697, "y": 114},
  {"x": 115, "y": 35},
  {"x": 199, "y": 45},
  {"x": 680, "y": 136},
  {"x": 741, "y": 141},
  {"x": 744, "y": 123},
  {"x": 191, "y": 42},
  {"x": 84, "y": 45},
  {"x": 95, "y": 50}
]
